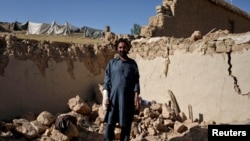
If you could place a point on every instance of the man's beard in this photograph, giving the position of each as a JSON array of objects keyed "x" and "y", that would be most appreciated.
[{"x": 123, "y": 54}]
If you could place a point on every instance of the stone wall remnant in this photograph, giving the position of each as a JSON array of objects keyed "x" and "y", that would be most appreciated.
[
  {"x": 180, "y": 18},
  {"x": 209, "y": 73}
]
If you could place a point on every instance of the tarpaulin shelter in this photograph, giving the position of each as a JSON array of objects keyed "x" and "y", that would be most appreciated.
[
  {"x": 44, "y": 28},
  {"x": 20, "y": 26},
  {"x": 92, "y": 32},
  {"x": 58, "y": 29},
  {"x": 73, "y": 28},
  {"x": 38, "y": 28}
]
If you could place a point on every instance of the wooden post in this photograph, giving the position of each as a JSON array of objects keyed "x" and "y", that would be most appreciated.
[{"x": 190, "y": 111}]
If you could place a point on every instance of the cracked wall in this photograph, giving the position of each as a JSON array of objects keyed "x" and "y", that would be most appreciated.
[{"x": 210, "y": 74}]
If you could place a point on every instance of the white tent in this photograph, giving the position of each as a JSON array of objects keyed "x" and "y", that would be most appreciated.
[
  {"x": 73, "y": 28},
  {"x": 53, "y": 28},
  {"x": 37, "y": 28},
  {"x": 59, "y": 29},
  {"x": 92, "y": 32}
]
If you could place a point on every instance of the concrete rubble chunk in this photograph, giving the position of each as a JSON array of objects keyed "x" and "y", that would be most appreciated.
[
  {"x": 78, "y": 105},
  {"x": 46, "y": 118}
]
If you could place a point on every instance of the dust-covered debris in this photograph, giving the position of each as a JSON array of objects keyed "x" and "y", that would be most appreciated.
[{"x": 84, "y": 121}]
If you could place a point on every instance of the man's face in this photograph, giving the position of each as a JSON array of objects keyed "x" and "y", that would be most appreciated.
[{"x": 122, "y": 49}]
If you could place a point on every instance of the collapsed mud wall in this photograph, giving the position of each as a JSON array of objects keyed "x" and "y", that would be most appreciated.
[
  {"x": 39, "y": 75},
  {"x": 210, "y": 74}
]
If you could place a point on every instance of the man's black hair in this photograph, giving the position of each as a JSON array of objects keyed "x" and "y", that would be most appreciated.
[{"x": 124, "y": 40}]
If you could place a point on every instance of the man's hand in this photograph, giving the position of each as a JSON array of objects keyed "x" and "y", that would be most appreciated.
[
  {"x": 137, "y": 101},
  {"x": 105, "y": 100}
]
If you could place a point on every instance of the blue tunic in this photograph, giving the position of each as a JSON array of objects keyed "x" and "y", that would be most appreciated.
[{"x": 122, "y": 81}]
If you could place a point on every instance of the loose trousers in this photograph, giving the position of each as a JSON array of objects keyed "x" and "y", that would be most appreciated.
[{"x": 110, "y": 133}]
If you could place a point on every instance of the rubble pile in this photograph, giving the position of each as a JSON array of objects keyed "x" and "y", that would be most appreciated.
[{"x": 84, "y": 121}]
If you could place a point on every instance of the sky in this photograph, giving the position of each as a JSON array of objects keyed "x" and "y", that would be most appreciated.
[{"x": 119, "y": 15}]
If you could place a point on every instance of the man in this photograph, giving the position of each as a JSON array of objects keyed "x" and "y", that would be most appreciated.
[{"x": 120, "y": 92}]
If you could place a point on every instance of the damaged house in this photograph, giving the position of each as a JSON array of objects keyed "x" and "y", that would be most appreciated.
[{"x": 180, "y": 18}]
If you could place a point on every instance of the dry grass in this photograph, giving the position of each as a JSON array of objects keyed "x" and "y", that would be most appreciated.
[{"x": 73, "y": 38}]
